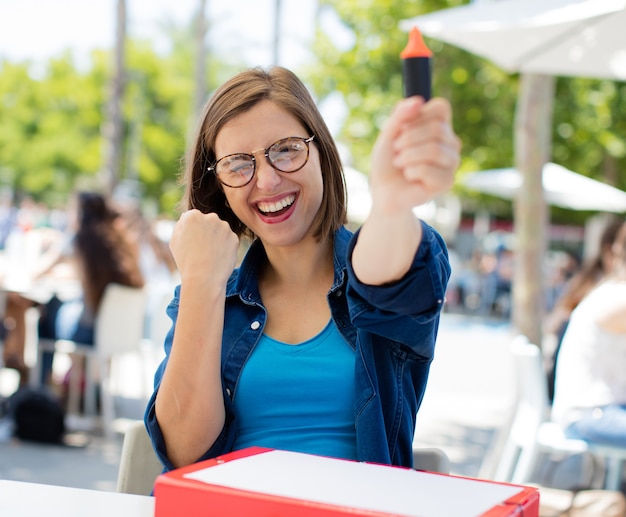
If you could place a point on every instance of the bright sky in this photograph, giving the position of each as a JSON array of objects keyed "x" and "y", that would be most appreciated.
[{"x": 39, "y": 29}]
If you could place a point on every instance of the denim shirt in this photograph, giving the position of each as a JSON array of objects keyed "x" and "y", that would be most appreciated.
[{"x": 392, "y": 329}]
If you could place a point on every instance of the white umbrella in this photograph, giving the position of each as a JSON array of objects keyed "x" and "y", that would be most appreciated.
[
  {"x": 359, "y": 198},
  {"x": 538, "y": 38},
  {"x": 583, "y": 38},
  {"x": 562, "y": 188}
]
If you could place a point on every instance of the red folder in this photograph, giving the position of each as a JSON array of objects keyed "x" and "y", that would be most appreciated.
[{"x": 258, "y": 482}]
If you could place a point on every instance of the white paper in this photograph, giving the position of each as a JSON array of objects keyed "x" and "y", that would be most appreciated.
[{"x": 365, "y": 486}]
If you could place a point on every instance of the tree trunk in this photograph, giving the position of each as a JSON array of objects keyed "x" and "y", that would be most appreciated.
[
  {"x": 113, "y": 130},
  {"x": 277, "y": 23},
  {"x": 533, "y": 143},
  {"x": 200, "y": 90}
]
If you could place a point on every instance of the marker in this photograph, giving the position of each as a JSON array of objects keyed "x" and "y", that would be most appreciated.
[{"x": 416, "y": 58}]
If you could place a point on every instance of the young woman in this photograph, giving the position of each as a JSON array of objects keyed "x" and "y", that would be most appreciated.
[{"x": 321, "y": 340}]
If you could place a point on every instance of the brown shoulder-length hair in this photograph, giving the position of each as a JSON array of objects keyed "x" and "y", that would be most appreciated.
[
  {"x": 202, "y": 191},
  {"x": 593, "y": 270}
]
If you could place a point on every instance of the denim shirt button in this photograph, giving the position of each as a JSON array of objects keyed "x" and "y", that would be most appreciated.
[
  {"x": 339, "y": 293},
  {"x": 255, "y": 325}
]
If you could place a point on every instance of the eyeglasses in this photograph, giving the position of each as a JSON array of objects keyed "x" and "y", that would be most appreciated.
[{"x": 287, "y": 155}]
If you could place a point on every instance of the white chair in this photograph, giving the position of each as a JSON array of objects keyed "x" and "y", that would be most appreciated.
[
  {"x": 159, "y": 323},
  {"x": 431, "y": 459},
  {"x": 139, "y": 464},
  {"x": 118, "y": 330},
  {"x": 531, "y": 432}
]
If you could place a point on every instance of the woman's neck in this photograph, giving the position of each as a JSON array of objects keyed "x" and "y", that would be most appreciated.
[{"x": 309, "y": 262}]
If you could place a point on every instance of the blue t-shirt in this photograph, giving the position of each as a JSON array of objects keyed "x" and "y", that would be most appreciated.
[{"x": 299, "y": 397}]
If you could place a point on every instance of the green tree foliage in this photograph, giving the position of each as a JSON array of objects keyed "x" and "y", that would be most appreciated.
[
  {"x": 51, "y": 116},
  {"x": 589, "y": 133},
  {"x": 50, "y": 125},
  {"x": 590, "y": 127},
  {"x": 157, "y": 110},
  {"x": 369, "y": 75},
  {"x": 50, "y": 135},
  {"x": 589, "y": 115},
  {"x": 51, "y": 120}
]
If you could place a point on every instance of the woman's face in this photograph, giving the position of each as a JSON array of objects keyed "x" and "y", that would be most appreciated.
[{"x": 278, "y": 207}]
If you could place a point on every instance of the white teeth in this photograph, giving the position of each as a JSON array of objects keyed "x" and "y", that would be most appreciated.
[{"x": 268, "y": 208}]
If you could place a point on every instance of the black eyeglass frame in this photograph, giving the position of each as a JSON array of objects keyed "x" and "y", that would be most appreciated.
[{"x": 266, "y": 150}]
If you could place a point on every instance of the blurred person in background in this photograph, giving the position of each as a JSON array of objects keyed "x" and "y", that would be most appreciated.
[
  {"x": 590, "y": 388},
  {"x": 578, "y": 286},
  {"x": 14, "y": 330},
  {"x": 156, "y": 262},
  {"x": 27, "y": 244},
  {"x": 101, "y": 251}
]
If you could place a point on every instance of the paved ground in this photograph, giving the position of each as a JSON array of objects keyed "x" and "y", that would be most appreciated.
[
  {"x": 469, "y": 393},
  {"x": 468, "y": 399}
]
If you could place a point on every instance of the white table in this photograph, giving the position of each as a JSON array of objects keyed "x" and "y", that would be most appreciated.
[
  {"x": 20, "y": 499},
  {"x": 41, "y": 290}
]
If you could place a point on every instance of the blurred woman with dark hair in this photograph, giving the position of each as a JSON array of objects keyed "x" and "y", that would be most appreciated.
[
  {"x": 579, "y": 285},
  {"x": 101, "y": 252}
]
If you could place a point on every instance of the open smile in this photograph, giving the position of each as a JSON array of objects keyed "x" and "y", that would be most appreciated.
[{"x": 276, "y": 208}]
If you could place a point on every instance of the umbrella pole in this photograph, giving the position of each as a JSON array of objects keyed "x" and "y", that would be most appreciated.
[{"x": 533, "y": 137}]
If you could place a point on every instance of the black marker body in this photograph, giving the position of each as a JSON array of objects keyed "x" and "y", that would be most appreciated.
[{"x": 417, "y": 78}]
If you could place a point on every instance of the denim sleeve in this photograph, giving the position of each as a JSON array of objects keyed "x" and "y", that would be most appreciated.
[{"x": 406, "y": 310}]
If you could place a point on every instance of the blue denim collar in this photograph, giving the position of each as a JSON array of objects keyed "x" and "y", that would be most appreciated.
[{"x": 245, "y": 285}]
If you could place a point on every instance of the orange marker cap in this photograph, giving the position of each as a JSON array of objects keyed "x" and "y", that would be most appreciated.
[{"x": 416, "y": 46}]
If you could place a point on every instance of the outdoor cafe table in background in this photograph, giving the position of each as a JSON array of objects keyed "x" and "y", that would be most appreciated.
[{"x": 40, "y": 292}]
